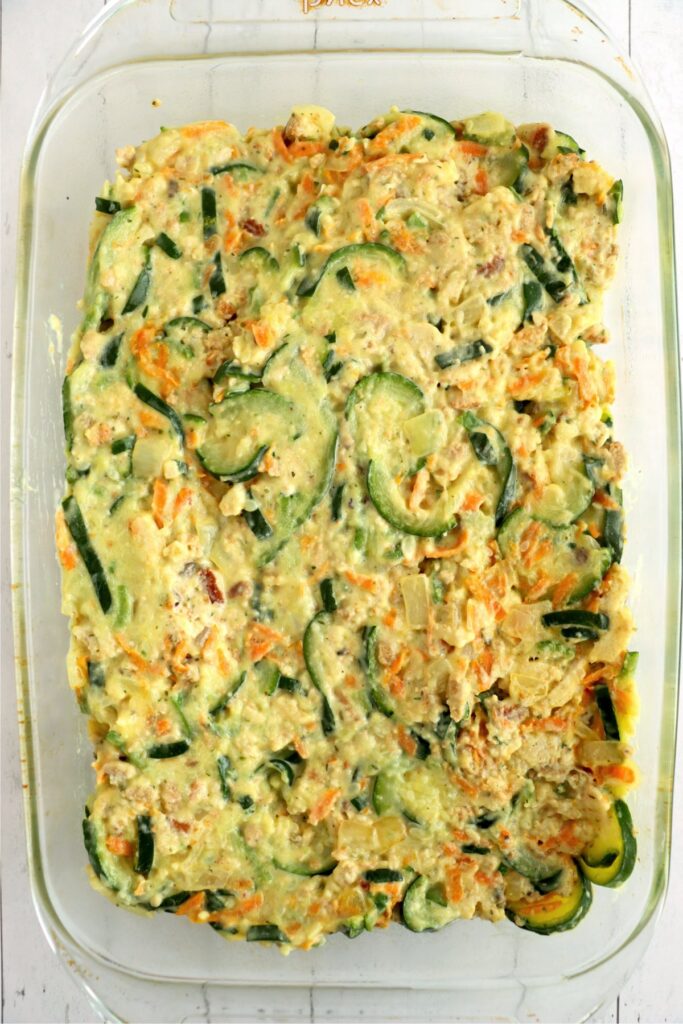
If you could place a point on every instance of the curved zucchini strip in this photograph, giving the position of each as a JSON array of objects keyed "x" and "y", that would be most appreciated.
[
  {"x": 378, "y": 698},
  {"x": 260, "y": 417},
  {"x": 160, "y": 406},
  {"x": 491, "y": 448},
  {"x": 144, "y": 856},
  {"x": 422, "y": 908},
  {"x": 265, "y": 933},
  {"x": 188, "y": 323},
  {"x": 175, "y": 748},
  {"x": 96, "y": 300},
  {"x": 314, "y": 660},
  {"x": 610, "y": 723},
  {"x": 337, "y": 261},
  {"x": 489, "y": 129},
  {"x": 611, "y": 857},
  {"x": 564, "y": 500},
  {"x": 378, "y": 409},
  {"x": 238, "y": 168},
  {"x": 307, "y": 462},
  {"x": 79, "y": 532},
  {"x": 306, "y": 870},
  {"x": 553, "y": 912},
  {"x": 570, "y": 552}
]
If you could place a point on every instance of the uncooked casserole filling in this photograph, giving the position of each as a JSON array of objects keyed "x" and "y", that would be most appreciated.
[{"x": 343, "y": 528}]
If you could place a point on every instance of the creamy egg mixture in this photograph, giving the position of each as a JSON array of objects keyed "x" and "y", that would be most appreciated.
[{"x": 343, "y": 527}]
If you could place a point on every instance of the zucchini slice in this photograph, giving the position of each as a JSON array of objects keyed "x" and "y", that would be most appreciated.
[
  {"x": 491, "y": 448},
  {"x": 422, "y": 908},
  {"x": 567, "y": 496},
  {"x": 378, "y": 409},
  {"x": 611, "y": 857},
  {"x": 307, "y": 460},
  {"x": 340, "y": 258},
  {"x": 553, "y": 911},
  {"x": 568, "y": 552},
  {"x": 242, "y": 429},
  {"x": 317, "y": 655}
]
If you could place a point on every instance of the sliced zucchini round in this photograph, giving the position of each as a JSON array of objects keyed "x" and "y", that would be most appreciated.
[
  {"x": 568, "y": 552},
  {"x": 553, "y": 911},
  {"x": 611, "y": 857},
  {"x": 340, "y": 259},
  {"x": 378, "y": 409},
  {"x": 490, "y": 129},
  {"x": 387, "y": 499},
  {"x": 242, "y": 428},
  {"x": 423, "y": 908}
]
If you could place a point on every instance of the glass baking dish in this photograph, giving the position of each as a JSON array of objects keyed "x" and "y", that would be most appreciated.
[{"x": 249, "y": 63}]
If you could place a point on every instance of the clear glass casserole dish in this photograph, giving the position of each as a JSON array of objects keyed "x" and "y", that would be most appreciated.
[{"x": 534, "y": 59}]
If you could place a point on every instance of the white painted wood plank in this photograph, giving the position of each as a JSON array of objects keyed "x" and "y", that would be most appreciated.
[
  {"x": 35, "y": 987},
  {"x": 655, "y": 992}
]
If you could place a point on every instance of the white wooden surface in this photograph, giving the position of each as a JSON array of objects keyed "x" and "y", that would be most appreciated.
[{"x": 35, "y": 34}]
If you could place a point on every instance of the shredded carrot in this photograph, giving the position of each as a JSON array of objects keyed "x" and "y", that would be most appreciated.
[
  {"x": 454, "y": 549},
  {"x": 473, "y": 501},
  {"x": 400, "y": 660},
  {"x": 594, "y": 676},
  {"x": 600, "y": 498},
  {"x": 406, "y": 742},
  {"x": 621, "y": 772},
  {"x": 538, "y": 589},
  {"x": 324, "y": 805},
  {"x": 301, "y": 149},
  {"x": 419, "y": 489},
  {"x": 120, "y": 846},
  {"x": 472, "y": 148},
  {"x": 404, "y": 240},
  {"x": 365, "y": 582},
  {"x": 262, "y": 332},
  {"x": 162, "y": 726},
  {"x": 280, "y": 147},
  {"x": 564, "y": 588},
  {"x": 67, "y": 557},
  {"x": 392, "y": 132},
  {"x": 481, "y": 181},
  {"x": 261, "y": 639},
  {"x": 159, "y": 494},
  {"x": 199, "y": 128},
  {"x": 367, "y": 218},
  {"x": 391, "y": 159},
  {"x": 396, "y": 686},
  {"x": 464, "y": 785},
  {"x": 134, "y": 656},
  {"x": 546, "y": 903},
  {"x": 183, "y": 497},
  {"x": 192, "y": 906},
  {"x": 454, "y": 889},
  {"x": 390, "y": 618},
  {"x": 461, "y": 836}
]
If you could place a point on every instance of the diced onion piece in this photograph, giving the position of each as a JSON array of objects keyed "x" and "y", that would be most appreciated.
[
  {"x": 415, "y": 590},
  {"x": 594, "y": 753},
  {"x": 425, "y": 432}
]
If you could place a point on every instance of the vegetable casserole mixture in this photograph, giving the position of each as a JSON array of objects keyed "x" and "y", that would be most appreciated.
[{"x": 343, "y": 527}]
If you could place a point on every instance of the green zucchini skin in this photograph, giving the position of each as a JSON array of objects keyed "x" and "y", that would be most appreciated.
[
  {"x": 161, "y": 751},
  {"x": 502, "y": 460},
  {"x": 160, "y": 406},
  {"x": 577, "y": 907},
  {"x": 140, "y": 288},
  {"x": 376, "y": 694},
  {"x": 144, "y": 856},
  {"x": 266, "y": 933},
  {"x": 336, "y": 259},
  {"x": 79, "y": 532},
  {"x": 328, "y": 720},
  {"x": 615, "y": 869},
  {"x": 463, "y": 354}
]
